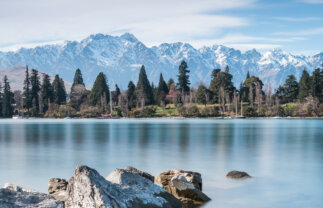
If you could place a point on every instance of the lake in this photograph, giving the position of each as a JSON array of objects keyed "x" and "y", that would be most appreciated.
[{"x": 285, "y": 156}]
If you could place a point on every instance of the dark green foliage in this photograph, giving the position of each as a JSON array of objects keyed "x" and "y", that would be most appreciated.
[
  {"x": 202, "y": 94},
  {"x": 47, "y": 92},
  {"x": 59, "y": 91},
  {"x": 143, "y": 89},
  {"x": 35, "y": 89},
  {"x": 250, "y": 83},
  {"x": 304, "y": 86},
  {"x": 162, "y": 90},
  {"x": 145, "y": 112},
  {"x": 189, "y": 111},
  {"x": 169, "y": 83},
  {"x": 100, "y": 89},
  {"x": 131, "y": 95},
  {"x": 115, "y": 95},
  {"x": 317, "y": 83},
  {"x": 291, "y": 89},
  {"x": 249, "y": 112},
  {"x": 183, "y": 78},
  {"x": 26, "y": 91},
  {"x": 215, "y": 72},
  {"x": 78, "y": 78},
  {"x": 209, "y": 111},
  {"x": 7, "y": 99},
  {"x": 221, "y": 79}
]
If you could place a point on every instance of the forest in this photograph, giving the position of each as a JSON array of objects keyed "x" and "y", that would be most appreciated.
[{"x": 41, "y": 97}]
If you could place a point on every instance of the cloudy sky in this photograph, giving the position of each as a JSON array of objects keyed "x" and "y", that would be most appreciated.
[{"x": 293, "y": 25}]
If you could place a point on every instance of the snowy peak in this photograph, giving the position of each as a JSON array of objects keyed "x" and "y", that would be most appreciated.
[{"x": 120, "y": 58}]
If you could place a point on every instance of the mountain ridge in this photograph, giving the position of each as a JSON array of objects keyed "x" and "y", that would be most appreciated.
[{"x": 120, "y": 58}]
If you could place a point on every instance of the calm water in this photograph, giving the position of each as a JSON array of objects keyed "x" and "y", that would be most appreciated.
[{"x": 285, "y": 156}]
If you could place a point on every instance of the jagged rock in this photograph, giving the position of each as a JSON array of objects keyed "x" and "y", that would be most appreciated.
[
  {"x": 87, "y": 188},
  {"x": 141, "y": 173},
  {"x": 12, "y": 196},
  {"x": 141, "y": 184},
  {"x": 57, "y": 188},
  {"x": 184, "y": 185},
  {"x": 238, "y": 175},
  {"x": 193, "y": 177}
]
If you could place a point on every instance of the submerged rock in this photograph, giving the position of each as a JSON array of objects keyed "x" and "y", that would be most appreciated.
[
  {"x": 140, "y": 184},
  {"x": 238, "y": 175},
  {"x": 141, "y": 173},
  {"x": 87, "y": 188},
  {"x": 57, "y": 188},
  {"x": 12, "y": 196},
  {"x": 184, "y": 185}
]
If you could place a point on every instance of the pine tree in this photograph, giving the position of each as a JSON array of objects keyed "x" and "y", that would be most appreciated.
[
  {"x": 291, "y": 89},
  {"x": 27, "y": 101},
  {"x": 201, "y": 94},
  {"x": 47, "y": 93},
  {"x": 115, "y": 95},
  {"x": 131, "y": 95},
  {"x": 100, "y": 89},
  {"x": 227, "y": 70},
  {"x": 317, "y": 83},
  {"x": 183, "y": 78},
  {"x": 248, "y": 75},
  {"x": 161, "y": 91},
  {"x": 78, "y": 78},
  {"x": 59, "y": 91},
  {"x": 221, "y": 79},
  {"x": 304, "y": 86},
  {"x": 170, "y": 82},
  {"x": 35, "y": 88},
  {"x": 7, "y": 99},
  {"x": 144, "y": 91}
]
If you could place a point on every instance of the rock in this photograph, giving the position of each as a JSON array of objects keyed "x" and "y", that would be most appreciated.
[
  {"x": 141, "y": 173},
  {"x": 192, "y": 177},
  {"x": 87, "y": 188},
  {"x": 184, "y": 185},
  {"x": 238, "y": 175},
  {"x": 12, "y": 196},
  {"x": 141, "y": 184},
  {"x": 57, "y": 188}
]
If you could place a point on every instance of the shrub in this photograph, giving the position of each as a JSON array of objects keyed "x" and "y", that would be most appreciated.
[{"x": 249, "y": 112}]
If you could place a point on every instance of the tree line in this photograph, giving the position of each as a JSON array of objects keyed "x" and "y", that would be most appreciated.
[{"x": 41, "y": 97}]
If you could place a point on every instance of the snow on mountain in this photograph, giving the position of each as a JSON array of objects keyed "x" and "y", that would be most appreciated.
[{"x": 120, "y": 58}]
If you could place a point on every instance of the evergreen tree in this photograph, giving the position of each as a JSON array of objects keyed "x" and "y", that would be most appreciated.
[
  {"x": 7, "y": 99},
  {"x": 46, "y": 92},
  {"x": 304, "y": 86},
  {"x": 131, "y": 95},
  {"x": 215, "y": 72},
  {"x": 248, "y": 75},
  {"x": 78, "y": 78},
  {"x": 59, "y": 91},
  {"x": 27, "y": 100},
  {"x": 317, "y": 83},
  {"x": 161, "y": 91},
  {"x": 291, "y": 89},
  {"x": 250, "y": 83},
  {"x": 1, "y": 99},
  {"x": 201, "y": 94},
  {"x": 170, "y": 82},
  {"x": 35, "y": 88},
  {"x": 100, "y": 89},
  {"x": 227, "y": 70},
  {"x": 115, "y": 95},
  {"x": 220, "y": 79},
  {"x": 183, "y": 78},
  {"x": 143, "y": 90}
]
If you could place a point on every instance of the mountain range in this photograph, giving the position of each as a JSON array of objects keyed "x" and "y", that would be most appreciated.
[{"x": 120, "y": 58}]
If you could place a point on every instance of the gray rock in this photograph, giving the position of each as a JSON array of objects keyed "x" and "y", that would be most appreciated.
[
  {"x": 238, "y": 175},
  {"x": 184, "y": 185},
  {"x": 126, "y": 178},
  {"x": 57, "y": 188},
  {"x": 141, "y": 173},
  {"x": 87, "y": 188},
  {"x": 192, "y": 177},
  {"x": 12, "y": 196}
]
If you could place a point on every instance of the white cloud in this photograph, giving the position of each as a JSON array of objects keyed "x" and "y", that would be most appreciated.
[
  {"x": 151, "y": 20},
  {"x": 308, "y": 32},
  {"x": 298, "y": 19}
]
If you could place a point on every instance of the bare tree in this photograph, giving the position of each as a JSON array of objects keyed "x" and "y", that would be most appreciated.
[
  {"x": 123, "y": 103},
  {"x": 251, "y": 95},
  {"x": 222, "y": 100}
]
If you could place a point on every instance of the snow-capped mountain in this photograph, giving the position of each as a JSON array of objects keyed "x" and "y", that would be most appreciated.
[{"x": 120, "y": 58}]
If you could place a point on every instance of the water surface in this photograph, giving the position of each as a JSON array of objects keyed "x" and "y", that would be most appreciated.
[{"x": 284, "y": 156}]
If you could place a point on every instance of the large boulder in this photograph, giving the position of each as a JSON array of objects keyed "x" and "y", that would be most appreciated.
[
  {"x": 184, "y": 185},
  {"x": 87, "y": 188},
  {"x": 238, "y": 175},
  {"x": 141, "y": 173},
  {"x": 12, "y": 196},
  {"x": 141, "y": 184},
  {"x": 57, "y": 188}
]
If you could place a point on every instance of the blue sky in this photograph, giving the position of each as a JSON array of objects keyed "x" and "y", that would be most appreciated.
[{"x": 292, "y": 25}]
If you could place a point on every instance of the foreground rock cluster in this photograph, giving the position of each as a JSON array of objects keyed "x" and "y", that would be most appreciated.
[{"x": 123, "y": 188}]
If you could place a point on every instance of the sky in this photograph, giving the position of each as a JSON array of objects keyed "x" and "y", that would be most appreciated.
[{"x": 295, "y": 26}]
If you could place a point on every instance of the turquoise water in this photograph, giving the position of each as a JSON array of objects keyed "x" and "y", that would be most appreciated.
[{"x": 284, "y": 156}]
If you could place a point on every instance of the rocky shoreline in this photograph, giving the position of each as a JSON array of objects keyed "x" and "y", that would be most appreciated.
[{"x": 122, "y": 188}]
